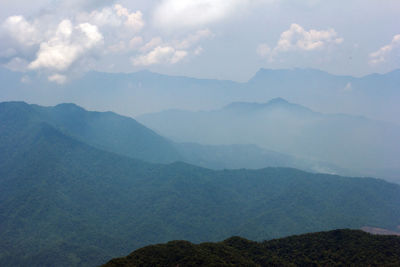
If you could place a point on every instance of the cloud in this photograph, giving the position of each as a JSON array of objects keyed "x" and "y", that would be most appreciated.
[
  {"x": 192, "y": 39},
  {"x": 133, "y": 20},
  {"x": 154, "y": 42},
  {"x": 384, "y": 52},
  {"x": 17, "y": 64},
  {"x": 104, "y": 17},
  {"x": 135, "y": 42},
  {"x": 194, "y": 13},
  {"x": 296, "y": 38},
  {"x": 57, "y": 78},
  {"x": 160, "y": 55},
  {"x": 178, "y": 56},
  {"x": 115, "y": 16},
  {"x": 157, "y": 52},
  {"x": 66, "y": 46},
  {"x": 22, "y": 31},
  {"x": 66, "y": 38},
  {"x": 118, "y": 47}
]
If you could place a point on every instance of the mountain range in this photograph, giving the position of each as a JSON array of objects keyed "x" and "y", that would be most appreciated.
[
  {"x": 123, "y": 135},
  {"x": 68, "y": 200},
  {"x": 355, "y": 144},
  {"x": 374, "y": 96}
]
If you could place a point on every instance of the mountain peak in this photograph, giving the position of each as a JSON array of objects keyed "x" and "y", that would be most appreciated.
[
  {"x": 275, "y": 103},
  {"x": 277, "y": 100},
  {"x": 69, "y": 107},
  {"x": 254, "y": 105}
]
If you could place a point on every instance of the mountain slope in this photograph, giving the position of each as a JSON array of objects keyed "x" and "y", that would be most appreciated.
[
  {"x": 354, "y": 143},
  {"x": 334, "y": 248},
  {"x": 249, "y": 157},
  {"x": 65, "y": 203},
  {"x": 111, "y": 132},
  {"x": 122, "y": 135}
]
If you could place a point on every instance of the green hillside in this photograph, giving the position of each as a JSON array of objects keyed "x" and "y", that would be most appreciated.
[
  {"x": 334, "y": 248},
  {"x": 66, "y": 203},
  {"x": 109, "y": 131}
]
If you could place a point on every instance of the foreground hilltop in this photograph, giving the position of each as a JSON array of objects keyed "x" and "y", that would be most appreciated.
[{"x": 334, "y": 248}]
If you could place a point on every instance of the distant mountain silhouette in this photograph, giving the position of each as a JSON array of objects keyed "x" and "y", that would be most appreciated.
[
  {"x": 374, "y": 95},
  {"x": 354, "y": 143}
]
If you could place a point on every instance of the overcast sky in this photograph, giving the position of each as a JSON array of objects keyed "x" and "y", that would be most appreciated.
[{"x": 224, "y": 39}]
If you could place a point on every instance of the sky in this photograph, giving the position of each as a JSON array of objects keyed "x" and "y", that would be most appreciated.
[{"x": 222, "y": 39}]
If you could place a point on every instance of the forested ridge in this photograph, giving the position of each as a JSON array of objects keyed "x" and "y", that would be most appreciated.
[
  {"x": 334, "y": 248},
  {"x": 67, "y": 203}
]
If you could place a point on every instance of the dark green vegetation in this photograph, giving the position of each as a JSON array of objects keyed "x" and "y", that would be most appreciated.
[
  {"x": 109, "y": 131},
  {"x": 66, "y": 203},
  {"x": 334, "y": 248}
]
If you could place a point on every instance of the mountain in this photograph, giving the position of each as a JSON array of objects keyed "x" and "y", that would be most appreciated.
[
  {"x": 110, "y": 131},
  {"x": 353, "y": 143},
  {"x": 243, "y": 156},
  {"x": 372, "y": 95},
  {"x": 125, "y": 136},
  {"x": 334, "y": 248},
  {"x": 132, "y": 94},
  {"x": 67, "y": 203}
]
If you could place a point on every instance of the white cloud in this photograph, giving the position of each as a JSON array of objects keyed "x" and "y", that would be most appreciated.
[
  {"x": 104, "y": 17},
  {"x": 178, "y": 56},
  {"x": 384, "y": 52},
  {"x": 160, "y": 55},
  {"x": 68, "y": 41},
  {"x": 126, "y": 46},
  {"x": 66, "y": 46},
  {"x": 157, "y": 52},
  {"x": 22, "y": 31},
  {"x": 133, "y": 20},
  {"x": 57, "y": 78},
  {"x": 194, "y": 13},
  {"x": 296, "y": 38},
  {"x": 115, "y": 16},
  {"x": 193, "y": 39},
  {"x": 154, "y": 42}
]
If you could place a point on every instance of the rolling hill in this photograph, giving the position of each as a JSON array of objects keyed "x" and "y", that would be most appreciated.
[{"x": 67, "y": 203}]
